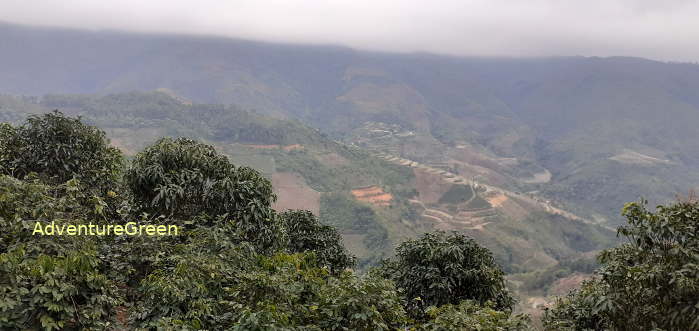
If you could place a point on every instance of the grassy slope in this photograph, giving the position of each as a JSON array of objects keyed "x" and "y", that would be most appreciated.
[
  {"x": 136, "y": 119},
  {"x": 522, "y": 246}
]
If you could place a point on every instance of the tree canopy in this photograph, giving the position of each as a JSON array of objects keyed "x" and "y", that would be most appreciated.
[
  {"x": 185, "y": 179},
  {"x": 59, "y": 148},
  {"x": 237, "y": 265},
  {"x": 306, "y": 233},
  {"x": 446, "y": 268},
  {"x": 650, "y": 282}
]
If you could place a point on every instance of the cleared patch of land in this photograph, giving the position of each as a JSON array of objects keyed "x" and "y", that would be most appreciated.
[
  {"x": 373, "y": 194},
  {"x": 632, "y": 157},
  {"x": 497, "y": 199},
  {"x": 538, "y": 178},
  {"x": 293, "y": 193},
  {"x": 286, "y": 147}
]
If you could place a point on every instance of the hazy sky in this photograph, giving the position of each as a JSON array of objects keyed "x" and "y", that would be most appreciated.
[{"x": 659, "y": 29}]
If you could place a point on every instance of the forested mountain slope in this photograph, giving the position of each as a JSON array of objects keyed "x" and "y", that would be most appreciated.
[
  {"x": 589, "y": 133},
  {"x": 179, "y": 237},
  {"x": 375, "y": 202}
]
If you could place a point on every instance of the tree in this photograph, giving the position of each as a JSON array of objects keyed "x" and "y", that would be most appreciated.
[
  {"x": 236, "y": 266},
  {"x": 469, "y": 315},
  {"x": 440, "y": 268},
  {"x": 52, "y": 282},
  {"x": 7, "y": 138},
  {"x": 305, "y": 234},
  {"x": 59, "y": 148},
  {"x": 576, "y": 311},
  {"x": 650, "y": 282},
  {"x": 184, "y": 179},
  {"x": 278, "y": 292}
]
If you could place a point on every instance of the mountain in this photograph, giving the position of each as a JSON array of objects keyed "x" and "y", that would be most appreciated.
[
  {"x": 375, "y": 200},
  {"x": 589, "y": 134}
]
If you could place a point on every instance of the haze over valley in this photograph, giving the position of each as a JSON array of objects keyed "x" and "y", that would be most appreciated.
[
  {"x": 587, "y": 133},
  {"x": 533, "y": 156}
]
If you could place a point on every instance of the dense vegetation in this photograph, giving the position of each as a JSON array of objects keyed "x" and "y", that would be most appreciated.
[
  {"x": 46, "y": 145},
  {"x": 444, "y": 269},
  {"x": 238, "y": 264},
  {"x": 235, "y": 265},
  {"x": 649, "y": 283},
  {"x": 457, "y": 194},
  {"x": 136, "y": 120},
  {"x": 593, "y": 122}
]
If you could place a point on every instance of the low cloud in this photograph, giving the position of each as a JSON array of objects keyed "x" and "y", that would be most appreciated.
[{"x": 665, "y": 30}]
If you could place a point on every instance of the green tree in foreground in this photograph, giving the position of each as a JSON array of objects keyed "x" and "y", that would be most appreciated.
[
  {"x": 307, "y": 234},
  {"x": 52, "y": 282},
  {"x": 59, "y": 148},
  {"x": 280, "y": 292},
  {"x": 237, "y": 265},
  {"x": 440, "y": 268},
  {"x": 649, "y": 283},
  {"x": 469, "y": 315},
  {"x": 184, "y": 179}
]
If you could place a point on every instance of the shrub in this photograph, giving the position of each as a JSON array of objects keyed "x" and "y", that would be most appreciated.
[
  {"x": 59, "y": 148},
  {"x": 440, "y": 268}
]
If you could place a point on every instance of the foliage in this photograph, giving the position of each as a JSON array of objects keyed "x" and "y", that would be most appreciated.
[
  {"x": 577, "y": 310},
  {"x": 305, "y": 233},
  {"x": 23, "y": 203},
  {"x": 277, "y": 292},
  {"x": 469, "y": 315},
  {"x": 350, "y": 216},
  {"x": 59, "y": 147},
  {"x": 187, "y": 289},
  {"x": 55, "y": 292},
  {"x": 440, "y": 268},
  {"x": 309, "y": 297},
  {"x": 182, "y": 178},
  {"x": 7, "y": 134},
  {"x": 52, "y": 282},
  {"x": 237, "y": 264},
  {"x": 651, "y": 282},
  {"x": 457, "y": 194},
  {"x": 541, "y": 280}
]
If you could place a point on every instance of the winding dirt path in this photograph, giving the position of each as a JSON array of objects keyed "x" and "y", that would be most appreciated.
[{"x": 491, "y": 190}]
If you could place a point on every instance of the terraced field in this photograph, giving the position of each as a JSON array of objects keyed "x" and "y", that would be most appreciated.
[{"x": 495, "y": 196}]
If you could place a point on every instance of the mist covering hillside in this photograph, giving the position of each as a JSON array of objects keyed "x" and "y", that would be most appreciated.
[
  {"x": 607, "y": 129},
  {"x": 533, "y": 159}
]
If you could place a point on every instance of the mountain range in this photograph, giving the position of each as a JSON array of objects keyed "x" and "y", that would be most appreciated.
[
  {"x": 533, "y": 157},
  {"x": 599, "y": 131}
]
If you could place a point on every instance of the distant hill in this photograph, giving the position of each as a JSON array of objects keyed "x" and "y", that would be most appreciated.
[
  {"x": 374, "y": 200},
  {"x": 588, "y": 133}
]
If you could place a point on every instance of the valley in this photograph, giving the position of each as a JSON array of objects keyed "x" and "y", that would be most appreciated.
[{"x": 533, "y": 158}]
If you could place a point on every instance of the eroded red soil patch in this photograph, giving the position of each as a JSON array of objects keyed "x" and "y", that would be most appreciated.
[{"x": 374, "y": 195}]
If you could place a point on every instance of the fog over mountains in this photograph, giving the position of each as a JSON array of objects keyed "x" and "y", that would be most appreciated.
[
  {"x": 318, "y": 186},
  {"x": 608, "y": 130}
]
